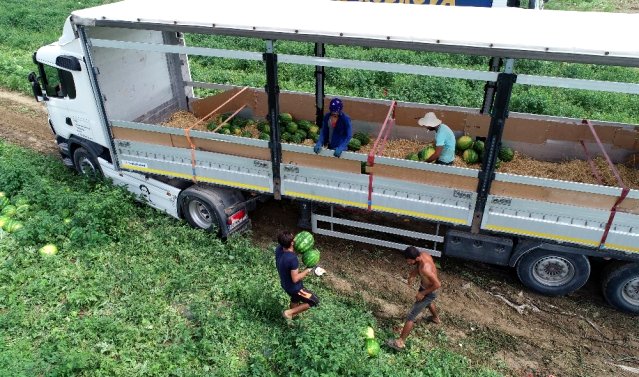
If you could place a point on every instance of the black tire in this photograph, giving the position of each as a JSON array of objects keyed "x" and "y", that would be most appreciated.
[
  {"x": 620, "y": 286},
  {"x": 199, "y": 210},
  {"x": 86, "y": 164},
  {"x": 553, "y": 273}
]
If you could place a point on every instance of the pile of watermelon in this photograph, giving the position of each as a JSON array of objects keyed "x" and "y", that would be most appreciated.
[
  {"x": 472, "y": 152},
  {"x": 304, "y": 243},
  {"x": 358, "y": 140},
  {"x": 11, "y": 212}
]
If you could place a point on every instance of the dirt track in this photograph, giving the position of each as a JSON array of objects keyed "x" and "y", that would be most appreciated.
[{"x": 578, "y": 335}]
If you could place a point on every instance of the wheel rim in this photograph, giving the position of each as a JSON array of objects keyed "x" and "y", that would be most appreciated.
[
  {"x": 200, "y": 214},
  {"x": 630, "y": 291},
  {"x": 553, "y": 271},
  {"x": 86, "y": 167}
]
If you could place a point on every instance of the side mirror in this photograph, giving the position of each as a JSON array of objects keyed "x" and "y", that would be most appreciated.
[{"x": 36, "y": 88}]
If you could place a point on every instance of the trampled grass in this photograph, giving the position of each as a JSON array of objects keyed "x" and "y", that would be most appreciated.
[{"x": 132, "y": 292}]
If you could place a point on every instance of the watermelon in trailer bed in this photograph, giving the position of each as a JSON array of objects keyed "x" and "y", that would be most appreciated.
[
  {"x": 464, "y": 143},
  {"x": 506, "y": 154},
  {"x": 304, "y": 242}
]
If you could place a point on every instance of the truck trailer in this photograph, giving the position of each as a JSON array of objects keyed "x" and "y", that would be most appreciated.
[{"x": 119, "y": 71}]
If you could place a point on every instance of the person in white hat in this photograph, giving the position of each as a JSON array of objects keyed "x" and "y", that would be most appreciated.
[{"x": 444, "y": 139}]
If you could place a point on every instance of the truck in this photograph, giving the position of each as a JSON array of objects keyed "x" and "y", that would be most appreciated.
[
  {"x": 121, "y": 70},
  {"x": 530, "y": 4}
]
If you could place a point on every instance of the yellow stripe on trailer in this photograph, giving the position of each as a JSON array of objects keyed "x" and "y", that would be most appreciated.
[
  {"x": 199, "y": 178},
  {"x": 325, "y": 199},
  {"x": 543, "y": 235},
  {"x": 621, "y": 247}
]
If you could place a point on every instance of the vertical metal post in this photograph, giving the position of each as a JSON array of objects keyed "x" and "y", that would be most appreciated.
[
  {"x": 97, "y": 93},
  {"x": 489, "y": 88},
  {"x": 273, "y": 91},
  {"x": 319, "y": 85},
  {"x": 505, "y": 82}
]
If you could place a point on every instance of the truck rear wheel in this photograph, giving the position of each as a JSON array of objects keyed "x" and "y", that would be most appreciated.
[
  {"x": 553, "y": 273},
  {"x": 620, "y": 286},
  {"x": 198, "y": 208}
]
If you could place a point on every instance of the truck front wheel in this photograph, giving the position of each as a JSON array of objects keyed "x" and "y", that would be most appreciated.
[
  {"x": 553, "y": 273},
  {"x": 620, "y": 286}
]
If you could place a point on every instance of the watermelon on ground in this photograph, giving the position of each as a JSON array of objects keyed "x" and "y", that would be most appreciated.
[
  {"x": 12, "y": 226},
  {"x": 4, "y": 220},
  {"x": 4, "y": 201},
  {"x": 479, "y": 147},
  {"x": 506, "y": 154},
  {"x": 49, "y": 249},
  {"x": 362, "y": 137},
  {"x": 369, "y": 333},
  {"x": 464, "y": 142},
  {"x": 304, "y": 241},
  {"x": 372, "y": 347},
  {"x": 9, "y": 210},
  {"x": 286, "y": 117},
  {"x": 354, "y": 144},
  {"x": 470, "y": 156},
  {"x": 412, "y": 157},
  {"x": 311, "y": 258}
]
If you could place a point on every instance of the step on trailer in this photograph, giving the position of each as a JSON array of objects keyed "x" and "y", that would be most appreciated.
[{"x": 122, "y": 69}]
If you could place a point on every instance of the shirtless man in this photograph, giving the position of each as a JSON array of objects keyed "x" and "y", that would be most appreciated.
[{"x": 425, "y": 268}]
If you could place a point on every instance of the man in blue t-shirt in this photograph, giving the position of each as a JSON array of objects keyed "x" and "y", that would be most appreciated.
[
  {"x": 444, "y": 139},
  {"x": 291, "y": 278}
]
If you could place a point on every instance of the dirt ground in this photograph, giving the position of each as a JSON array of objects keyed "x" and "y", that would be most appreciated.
[{"x": 487, "y": 314}]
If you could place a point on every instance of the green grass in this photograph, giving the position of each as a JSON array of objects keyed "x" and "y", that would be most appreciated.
[{"x": 133, "y": 292}]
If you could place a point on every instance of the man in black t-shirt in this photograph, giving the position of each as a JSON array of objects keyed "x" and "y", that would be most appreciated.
[{"x": 291, "y": 278}]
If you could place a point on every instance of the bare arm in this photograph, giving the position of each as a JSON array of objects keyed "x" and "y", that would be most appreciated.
[
  {"x": 435, "y": 156},
  {"x": 297, "y": 276},
  {"x": 411, "y": 276}
]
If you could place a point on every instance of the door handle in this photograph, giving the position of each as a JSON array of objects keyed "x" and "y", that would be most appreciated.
[{"x": 68, "y": 121}]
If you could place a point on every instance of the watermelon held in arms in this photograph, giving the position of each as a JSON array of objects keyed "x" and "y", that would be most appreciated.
[
  {"x": 464, "y": 143},
  {"x": 506, "y": 154},
  {"x": 303, "y": 242},
  {"x": 354, "y": 144},
  {"x": 470, "y": 156},
  {"x": 311, "y": 258},
  {"x": 372, "y": 347},
  {"x": 426, "y": 153}
]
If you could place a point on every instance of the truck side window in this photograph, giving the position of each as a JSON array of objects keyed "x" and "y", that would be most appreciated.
[{"x": 58, "y": 82}]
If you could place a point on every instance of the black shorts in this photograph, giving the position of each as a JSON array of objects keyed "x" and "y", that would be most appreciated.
[{"x": 304, "y": 296}]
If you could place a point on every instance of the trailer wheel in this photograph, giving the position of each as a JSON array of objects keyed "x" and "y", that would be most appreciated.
[
  {"x": 86, "y": 164},
  {"x": 553, "y": 273},
  {"x": 620, "y": 286},
  {"x": 199, "y": 210}
]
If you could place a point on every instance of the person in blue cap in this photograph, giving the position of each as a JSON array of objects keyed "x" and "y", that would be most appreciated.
[{"x": 336, "y": 129}]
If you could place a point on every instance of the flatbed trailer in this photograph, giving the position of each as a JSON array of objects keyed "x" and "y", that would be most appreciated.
[{"x": 128, "y": 65}]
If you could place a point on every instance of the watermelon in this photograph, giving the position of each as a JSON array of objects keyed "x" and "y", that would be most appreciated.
[
  {"x": 211, "y": 126},
  {"x": 4, "y": 220},
  {"x": 497, "y": 163},
  {"x": 12, "y": 226},
  {"x": 225, "y": 116},
  {"x": 291, "y": 127},
  {"x": 49, "y": 249},
  {"x": 286, "y": 117},
  {"x": 362, "y": 137},
  {"x": 239, "y": 122},
  {"x": 479, "y": 147},
  {"x": 304, "y": 241},
  {"x": 304, "y": 124},
  {"x": 4, "y": 201},
  {"x": 311, "y": 258},
  {"x": 265, "y": 136},
  {"x": 286, "y": 137},
  {"x": 301, "y": 133},
  {"x": 246, "y": 134},
  {"x": 354, "y": 144},
  {"x": 22, "y": 209},
  {"x": 369, "y": 333},
  {"x": 464, "y": 142},
  {"x": 470, "y": 156},
  {"x": 313, "y": 129},
  {"x": 506, "y": 154},
  {"x": 372, "y": 347},
  {"x": 425, "y": 153},
  {"x": 2, "y": 194},
  {"x": 226, "y": 131},
  {"x": 296, "y": 139},
  {"x": 9, "y": 210},
  {"x": 412, "y": 157},
  {"x": 263, "y": 126},
  {"x": 315, "y": 137},
  {"x": 21, "y": 200}
]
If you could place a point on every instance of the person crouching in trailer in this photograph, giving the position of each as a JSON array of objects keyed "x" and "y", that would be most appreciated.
[
  {"x": 444, "y": 139},
  {"x": 336, "y": 129}
]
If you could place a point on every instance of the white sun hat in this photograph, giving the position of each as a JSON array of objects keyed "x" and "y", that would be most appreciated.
[{"x": 429, "y": 120}]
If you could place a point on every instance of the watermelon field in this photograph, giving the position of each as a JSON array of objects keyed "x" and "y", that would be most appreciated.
[{"x": 128, "y": 291}]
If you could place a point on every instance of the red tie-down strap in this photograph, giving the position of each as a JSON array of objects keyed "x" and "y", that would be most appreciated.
[
  {"x": 378, "y": 147},
  {"x": 624, "y": 189}
]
